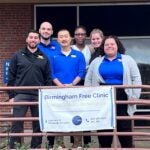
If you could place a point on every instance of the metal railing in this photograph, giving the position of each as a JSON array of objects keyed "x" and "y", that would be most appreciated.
[{"x": 139, "y": 133}]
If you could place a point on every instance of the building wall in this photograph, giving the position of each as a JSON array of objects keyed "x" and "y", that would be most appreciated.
[{"x": 15, "y": 21}]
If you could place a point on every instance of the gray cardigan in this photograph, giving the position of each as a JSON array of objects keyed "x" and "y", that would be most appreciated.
[{"x": 131, "y": 76}]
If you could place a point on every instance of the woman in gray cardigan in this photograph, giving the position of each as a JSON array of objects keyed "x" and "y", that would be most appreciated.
[{"x": 116, "y": 68}]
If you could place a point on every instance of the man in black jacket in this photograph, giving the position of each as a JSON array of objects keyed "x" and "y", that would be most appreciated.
[{"x": 28, "y": 67}]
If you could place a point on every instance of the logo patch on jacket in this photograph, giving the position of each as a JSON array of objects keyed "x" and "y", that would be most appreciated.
[{"x": 40, "y": 57}]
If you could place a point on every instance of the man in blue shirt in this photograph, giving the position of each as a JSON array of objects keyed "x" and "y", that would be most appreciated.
[
  {"x": 68, "y": 66},
  {"x": 49, "y": 47}
]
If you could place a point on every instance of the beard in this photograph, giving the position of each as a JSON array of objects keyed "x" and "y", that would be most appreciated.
[
  {"x": 32, "y": 47},
  {"x": 45, "y": 38}
]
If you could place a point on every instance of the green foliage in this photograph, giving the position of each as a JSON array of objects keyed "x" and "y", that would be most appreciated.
[
  {"x": 4, "y": 144},
  {"x": 19, "y": 146}
]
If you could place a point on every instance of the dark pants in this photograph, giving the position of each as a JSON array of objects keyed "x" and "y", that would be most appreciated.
[
  {"x": 17, "y": 126},
  {"x": 122, "y": 125},
  {"x": 51, "y": 141}
]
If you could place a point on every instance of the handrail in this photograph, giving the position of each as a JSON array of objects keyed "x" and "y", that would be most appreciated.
[
  {"x": 4, "y": 88},
  {"x": 141, "y": 101},
  {"x": 146, "y": 102}
]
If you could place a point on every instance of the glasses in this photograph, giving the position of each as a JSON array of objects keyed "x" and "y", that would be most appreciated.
[{"x": 80, "y": 34}]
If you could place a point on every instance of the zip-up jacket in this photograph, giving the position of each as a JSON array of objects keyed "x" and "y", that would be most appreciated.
[{"x": 28, "y": 69}]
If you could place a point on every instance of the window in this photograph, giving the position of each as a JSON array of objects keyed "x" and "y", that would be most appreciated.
[
  {"x": 60, "y": 16},
  {"x": 120, "y": 20}
]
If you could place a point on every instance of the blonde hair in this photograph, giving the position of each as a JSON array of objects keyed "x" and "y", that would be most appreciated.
[{"x": 96, "y": 30}]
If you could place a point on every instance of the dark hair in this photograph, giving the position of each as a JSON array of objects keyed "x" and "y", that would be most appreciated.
[
  {"x": 121, "y": 48},
  {"x": 82, "y": 27},
  {"x": 32, "y": 31},
  {"x": 63, "y": 29},
  {"x": 79, "y": 27}
]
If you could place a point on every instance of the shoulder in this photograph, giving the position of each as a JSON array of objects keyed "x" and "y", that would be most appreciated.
[
  {"x": 127, "y": 57},
  {"x": 91, "y": 48},
  {"x": 87, "y": 49},
  {"x": 78, "y": 54},
  {"x": 96, "y": 62},
  {"x": 19, "y": 52},
  {"x": 76, "y": 51},
  {"x": 97, "y": 59},
  {"x": 73, "y": 47},
  {"x": 129, "y": 61},
  {"x": 17, "y": 55},
  {"x": 54, "y": 42}
]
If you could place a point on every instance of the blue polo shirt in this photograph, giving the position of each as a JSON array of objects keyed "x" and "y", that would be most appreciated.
[
  {"x": 51, "y": 49},
  {"x": 67, "y": 68},
  {"x": 112, "y": 71}
]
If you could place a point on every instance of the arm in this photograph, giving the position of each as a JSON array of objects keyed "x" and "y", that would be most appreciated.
[
  {"x": 58, "y": 83},
  {"x": 131, "y": 76},
  {"x": 89, "y": 75},
  {"x": 135, "y": 78},
  {"x": 76, "y": 80},
  {"x": 81, "y": 69},
  {"x": 12, "y": 75},
  {"x": 93, "y": 78},
  {"x": 48, "y": 74}
]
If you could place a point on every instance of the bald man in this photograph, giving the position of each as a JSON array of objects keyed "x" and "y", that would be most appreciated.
[
  {"x": 50, "y": 48},
  {"x": 47, "y": 45}
]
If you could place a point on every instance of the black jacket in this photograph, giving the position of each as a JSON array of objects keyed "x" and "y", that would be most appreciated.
[
  {"x": 98, "y": 52},
  {"x": 28, "y": 69}
]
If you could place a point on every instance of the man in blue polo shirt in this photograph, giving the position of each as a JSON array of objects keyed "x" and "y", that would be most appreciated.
[
  {"x": 49, "y": 47},
  {"x": 68, "y": 66}
]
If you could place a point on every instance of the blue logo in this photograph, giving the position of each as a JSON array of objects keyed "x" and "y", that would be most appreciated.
[{"x": 77, "y": 120}]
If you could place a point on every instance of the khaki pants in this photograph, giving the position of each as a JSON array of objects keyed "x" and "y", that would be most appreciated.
[{"x": 77, "y": 141}]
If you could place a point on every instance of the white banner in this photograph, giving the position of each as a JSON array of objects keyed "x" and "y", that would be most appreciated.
[{"x": 76, "y": 109}]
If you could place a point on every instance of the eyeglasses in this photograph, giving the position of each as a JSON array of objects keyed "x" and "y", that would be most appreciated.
[{"x": 80, "y": 34}]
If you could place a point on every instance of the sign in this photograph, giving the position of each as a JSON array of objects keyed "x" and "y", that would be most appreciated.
[
  {"x": 6, "y": 64},
  {"x": 76, "y": 109}
]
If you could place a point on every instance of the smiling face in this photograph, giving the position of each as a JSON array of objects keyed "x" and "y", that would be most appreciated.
[
  {"x": 64, "y": 38},
  {"x": 46, "y": 30},
  {"x": 96, "y": 40},
  {"x": 32, "y": 40},
  {"x": 80, "y": 36},
  {"x": 110, "y": 47}
]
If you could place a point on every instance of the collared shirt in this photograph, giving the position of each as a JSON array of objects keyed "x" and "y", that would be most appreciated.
[
  {"x": 86, "y": 52},
  {"x": 112, "y": 71},
  {"x": 67, "y": 68},
  {"x": 51, "y": 49}
]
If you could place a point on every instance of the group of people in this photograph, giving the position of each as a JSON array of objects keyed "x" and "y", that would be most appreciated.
[{"x": 46, "y": 62}]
